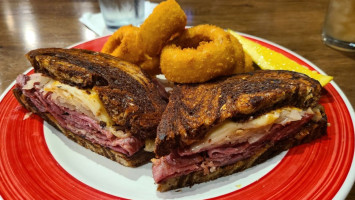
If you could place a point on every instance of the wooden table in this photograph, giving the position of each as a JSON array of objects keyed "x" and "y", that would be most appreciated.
[{"x": 294, "y": 24}]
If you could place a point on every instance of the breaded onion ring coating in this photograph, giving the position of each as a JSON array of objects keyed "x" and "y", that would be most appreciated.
[
  {"x": 125, "y": 43},
  {"x": 239, "y": 55},
  {"x": 151, "y": 65},
  {"x": 200, "y": 54},
  {"x": 248, "y": 63},
  {"x": 166, "y": 20}
]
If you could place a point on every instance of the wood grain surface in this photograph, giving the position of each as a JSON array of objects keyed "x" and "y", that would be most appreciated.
[{"x": 294, "y": 24}]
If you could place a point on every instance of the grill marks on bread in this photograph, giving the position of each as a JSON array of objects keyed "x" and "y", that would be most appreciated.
[
  {"x": 194, "y": 108},
  {"x": 132, "y": 99}
]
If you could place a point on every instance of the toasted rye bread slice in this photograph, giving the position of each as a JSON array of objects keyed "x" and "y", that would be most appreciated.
[
  {"x": 139, "y": 158},
  {"x": 133, "y": 100},
  {"x": 309, "y": 132},
  {"x": 193, "y": 109}
]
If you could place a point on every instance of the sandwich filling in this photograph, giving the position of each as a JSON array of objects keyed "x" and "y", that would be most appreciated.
[
  {"x": 77, "y": 110},
  {"x": 230, "y": 142}
]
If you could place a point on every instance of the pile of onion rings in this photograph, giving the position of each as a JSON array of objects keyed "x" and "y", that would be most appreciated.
[
  {"x": 142, "y": 46},
  {"x": 163, "y": 45},
  {"x": 202, "y": 53}
]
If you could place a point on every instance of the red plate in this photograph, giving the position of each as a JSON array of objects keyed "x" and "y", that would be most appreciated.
[{"x": 323, "y": 169}]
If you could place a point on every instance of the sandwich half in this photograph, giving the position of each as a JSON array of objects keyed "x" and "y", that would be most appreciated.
[
  {"x": 224, "y": 126},
  {"x": 103, "y": 103}
]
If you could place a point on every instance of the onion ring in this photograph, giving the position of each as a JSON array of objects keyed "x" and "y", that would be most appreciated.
[
  {"x": 200, "y": 54},
  {"x": 166, "y": 20},
  {"x": 125, "y": 44}
]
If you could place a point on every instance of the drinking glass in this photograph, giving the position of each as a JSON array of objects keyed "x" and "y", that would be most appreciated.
[
  {"x": 118, "y": 13},
  {"x": 339, "y": 25}
]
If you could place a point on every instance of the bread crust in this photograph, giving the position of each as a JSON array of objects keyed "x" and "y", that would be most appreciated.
[
  {"x": 308, "y": 133},
  {"x": 139, "y": 158}
]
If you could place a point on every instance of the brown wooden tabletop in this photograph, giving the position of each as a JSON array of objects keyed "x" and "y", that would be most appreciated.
[{"x": 294, "y": 24}]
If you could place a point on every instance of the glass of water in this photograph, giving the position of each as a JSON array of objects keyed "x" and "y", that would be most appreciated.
[
  {"x": 118, "y": 13},
  {"x": 339, "y": 25}
]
